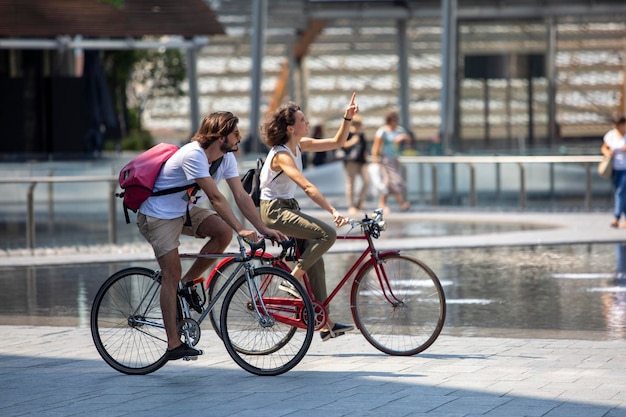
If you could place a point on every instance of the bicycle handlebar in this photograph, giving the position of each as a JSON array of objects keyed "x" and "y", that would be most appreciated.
[
  {"x": 371, "y": 226},
  {"x": 260, "y": 246}
]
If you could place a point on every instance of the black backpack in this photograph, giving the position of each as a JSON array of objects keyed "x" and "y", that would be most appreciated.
[{"x": 251, "y": 182}]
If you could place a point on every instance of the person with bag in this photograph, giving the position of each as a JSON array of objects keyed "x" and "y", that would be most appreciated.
[
  {"x": 614, "y": 146},
  {"x": 287, "y": 133},
  {"x": 385, "y": 151},
  {"x": 354, "y": 156},
  {"x": 163, "y": 218}
]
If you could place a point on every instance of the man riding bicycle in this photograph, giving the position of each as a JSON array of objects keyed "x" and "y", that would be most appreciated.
[{"x": 162, "y": 219}]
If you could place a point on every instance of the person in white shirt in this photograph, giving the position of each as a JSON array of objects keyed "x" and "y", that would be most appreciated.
[
  {"x": 162, "y": 219},
  {"x": 287, "y": 132},
  {"x": 614, "y": 145}
]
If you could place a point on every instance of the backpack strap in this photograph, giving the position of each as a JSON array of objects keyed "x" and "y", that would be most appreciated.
[
  {"x": 191, "y": 194},
  {"x": 126, "y": 216},
  {"x": 215, "y": 165},
  {"x": 212, "y": 169},
  {"x": 173, "y": 190},
  {"x": 259, "y": 165}
]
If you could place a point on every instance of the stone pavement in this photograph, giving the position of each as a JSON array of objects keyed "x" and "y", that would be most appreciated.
[{"x": 56, "y": 371}]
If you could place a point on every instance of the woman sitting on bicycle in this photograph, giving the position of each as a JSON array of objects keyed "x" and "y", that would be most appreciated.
[{"x": 286, "y": 133}]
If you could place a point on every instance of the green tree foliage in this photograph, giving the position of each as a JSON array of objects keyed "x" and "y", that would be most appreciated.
[
  {"x": 138, "y": 77},
  {"x": 118, "y": 4},
  {"x": 155, "y": 74}
]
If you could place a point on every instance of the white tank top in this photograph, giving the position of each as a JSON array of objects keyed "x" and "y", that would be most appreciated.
[
  {"x": 616, "y": 142},
  {"x": 275, "y": 186}
]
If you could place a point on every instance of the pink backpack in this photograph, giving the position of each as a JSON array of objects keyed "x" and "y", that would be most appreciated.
[{"x": 138, "y": 176}]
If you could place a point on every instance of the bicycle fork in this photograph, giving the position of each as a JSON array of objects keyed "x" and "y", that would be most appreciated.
[
  {"x": 265, "y": 319},
  {"x": 384, "y": 283}
]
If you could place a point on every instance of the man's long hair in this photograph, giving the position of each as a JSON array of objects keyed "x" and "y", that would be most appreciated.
[{"x": 214, "y": 126}]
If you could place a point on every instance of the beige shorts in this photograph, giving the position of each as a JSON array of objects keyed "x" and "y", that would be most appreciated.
[{"x": 163, "y": 235}]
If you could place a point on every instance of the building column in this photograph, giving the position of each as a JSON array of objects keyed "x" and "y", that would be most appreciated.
[{"x": 449, "y": 53}]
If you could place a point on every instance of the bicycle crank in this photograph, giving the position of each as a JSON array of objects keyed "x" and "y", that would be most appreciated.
[
  {"x": 320, "y": 315},
  {"x": 190, "y": 329}
]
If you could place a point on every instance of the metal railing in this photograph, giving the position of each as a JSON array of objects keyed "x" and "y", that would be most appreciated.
[
  {"x": 433, "y": 162},
  {"x": 30, "y": 200},
  {"x": 588, "y": 161}
]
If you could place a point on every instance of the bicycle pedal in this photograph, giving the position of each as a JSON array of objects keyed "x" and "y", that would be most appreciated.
[{"x": 190, "y": 358}]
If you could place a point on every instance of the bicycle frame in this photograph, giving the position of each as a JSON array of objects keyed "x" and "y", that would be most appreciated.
[
  {"x": 242, "y": 263},
  {"x": 134, "y": 319},
  {"x": 359, "y": 265},
  {"x": 276, "y": 305},
  {"x": 283, "y": 304}
]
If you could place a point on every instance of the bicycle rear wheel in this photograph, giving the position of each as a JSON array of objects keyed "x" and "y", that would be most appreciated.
[
  {"x": 271, "y": 335},
  {"x": 126, "y": 323},
  {"x": 398, "y": 305}
]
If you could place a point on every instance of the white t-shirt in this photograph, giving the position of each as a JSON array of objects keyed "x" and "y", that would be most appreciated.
[
  {"x": 184, "y": 167},
  {"x": 615, "y": 140},
  {"x": 278, "y": 186}
]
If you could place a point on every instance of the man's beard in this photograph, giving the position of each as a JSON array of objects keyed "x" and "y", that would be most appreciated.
[{"x": 224, "y": 148}]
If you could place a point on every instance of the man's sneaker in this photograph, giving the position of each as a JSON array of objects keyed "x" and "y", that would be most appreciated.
[
  {"x": 337, "y": 330},
  {"x": 184, "y": 350},
  {"x": 289, "y": 289}
]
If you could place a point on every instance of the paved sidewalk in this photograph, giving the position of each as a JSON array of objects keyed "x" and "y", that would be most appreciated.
[{"x": 53, "y": 371}]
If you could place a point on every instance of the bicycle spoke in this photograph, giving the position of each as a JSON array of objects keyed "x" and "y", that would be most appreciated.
[
  {"x": 401, "y": 308},
  {"x": 219, "y": 278},
  {"x": 126, "y": 322},
  {"x": 263, "y": 340}
]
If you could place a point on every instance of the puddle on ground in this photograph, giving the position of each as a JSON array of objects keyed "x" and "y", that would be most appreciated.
[{"x": 511, "y": 291}]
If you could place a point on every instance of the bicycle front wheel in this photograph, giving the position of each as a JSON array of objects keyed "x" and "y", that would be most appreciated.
[
  {"x": 269, "y": 332},
  {"x": 398, "y": 305},
  {"x": 126, "y": 322}
]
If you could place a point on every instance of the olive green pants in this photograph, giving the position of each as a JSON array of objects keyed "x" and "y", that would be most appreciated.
[{"x": 316, "y": 238}]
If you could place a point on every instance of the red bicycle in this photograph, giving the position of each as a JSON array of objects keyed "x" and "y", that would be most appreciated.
[{"x": 397, "y": 301}]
